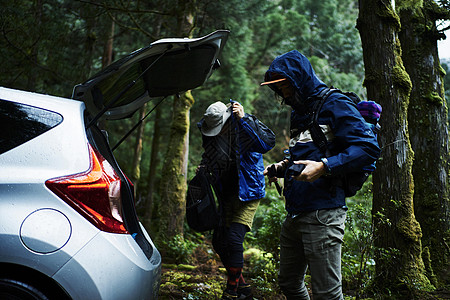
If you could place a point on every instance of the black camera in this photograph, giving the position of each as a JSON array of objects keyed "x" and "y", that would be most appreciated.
[{"x": 294, "y": 170}]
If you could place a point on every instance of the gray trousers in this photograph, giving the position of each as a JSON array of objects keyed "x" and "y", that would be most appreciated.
[{"x": 314, "y": 240}]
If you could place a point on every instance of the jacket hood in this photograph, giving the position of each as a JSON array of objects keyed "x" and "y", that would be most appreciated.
[{"x": 298, "y": 70}]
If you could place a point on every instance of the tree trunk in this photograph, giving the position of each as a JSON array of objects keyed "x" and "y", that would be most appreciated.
[
  {"x": 151, "y": 179},
  {"x": 152, "y": 169},
  {"x": 108, "y": 48},
  {"x": 173, "y": 175},
  {"x": 88, "y": 14},
  {"x": 136, "y": 167},
  {"x": 399, "y": 266},
  {"x": 174, "y": 181},
  {"x": 33, "y": 75},
  {"x": 428, "y": 127}
]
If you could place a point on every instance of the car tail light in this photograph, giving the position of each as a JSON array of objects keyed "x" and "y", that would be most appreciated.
[{"x": 96, "y": 193}]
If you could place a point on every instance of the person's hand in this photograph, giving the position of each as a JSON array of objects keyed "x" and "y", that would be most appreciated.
[
  {"x": 199, "y": 167},
  {"x": 238, "y": 110},
  {"x": 271, "y": 179},
  {"x": 271, "y": 172},
  {"x": 313, "y": 170}
]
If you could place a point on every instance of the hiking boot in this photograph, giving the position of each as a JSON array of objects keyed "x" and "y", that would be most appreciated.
[
  {"x": 229, "y": 295},
  {"x": 244, "y": 292}
]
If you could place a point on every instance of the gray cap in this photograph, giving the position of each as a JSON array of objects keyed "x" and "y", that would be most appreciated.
[{"x": 214, "y": 118}]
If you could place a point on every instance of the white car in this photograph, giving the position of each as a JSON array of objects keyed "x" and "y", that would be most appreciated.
[{"x": 68, "y": 225}]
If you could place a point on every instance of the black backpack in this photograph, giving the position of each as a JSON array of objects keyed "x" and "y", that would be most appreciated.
[
  {"x": 370, "y": 110},
  {"x": 201, "y": 209}
]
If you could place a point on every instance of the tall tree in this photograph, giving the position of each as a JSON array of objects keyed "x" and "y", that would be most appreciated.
[
  {"x": 151, "y": 179},
  {"x": 428, "y": 127},
  {"x": 399, "y": 265},
  {"x": 173, "y": 187},
  {"x": 107, "y": 56},
  {"x": 174, "y": 174},
  {"x": 138, "y": 148}
]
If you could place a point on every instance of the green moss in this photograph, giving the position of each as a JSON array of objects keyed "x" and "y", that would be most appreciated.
[
  {"x": 434, "y": 98},
  {"x": 186, "y": 267},
  {"x": 441, "y": 71},
  {"x": 170, "y": 266},
  {"x": 387, "y": 12},
  {"x": 408, "y": 4},
  {"x": 409, "y": 228},
  {"x": 426, "y": 257},
  {"x": 178, "y": 285},
  {"x": 401, "y": 78}
]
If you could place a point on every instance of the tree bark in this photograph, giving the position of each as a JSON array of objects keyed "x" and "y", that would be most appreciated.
[
  {"x": 108, "y": 48},
  {"x": 33, "y": 76},
  {"x": 136, "y": 167},
  {"x": 428, "y": 127},
  {"x": 399, "y": 266},
  {"x": 174, "y": 173},
  {"x": 151, "y": 179},
  {"x": 88, "y": 14},
  {"x": 152, "y": 169}
]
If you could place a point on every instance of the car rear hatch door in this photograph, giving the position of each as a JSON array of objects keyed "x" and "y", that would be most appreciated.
[{"x": 165, "y": 67}]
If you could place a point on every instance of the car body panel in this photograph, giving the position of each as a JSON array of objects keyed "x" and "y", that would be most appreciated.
[
  {"x": 41, "y": 157},
  {"x": 40, "y": 231},
  {"x": 102, "y": 283}
]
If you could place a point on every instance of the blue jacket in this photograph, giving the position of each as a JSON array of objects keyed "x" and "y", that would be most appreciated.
[
  {"x": 351, "y": 142},
  {"x": 253, "y": 140}
]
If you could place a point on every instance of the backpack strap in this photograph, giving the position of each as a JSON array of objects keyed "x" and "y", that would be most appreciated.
[{"x": 317, "y": 134}]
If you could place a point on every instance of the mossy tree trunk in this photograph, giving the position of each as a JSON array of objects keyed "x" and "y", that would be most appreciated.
[
  {"x": 428, "y": 127},
  {"x": 174, "y": 182},
  {"x": 399, "y": 265},
  {"x": 173, "y": 176}
]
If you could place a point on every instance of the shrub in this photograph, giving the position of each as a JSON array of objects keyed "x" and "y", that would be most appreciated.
[{"x": 357, "y": 253}]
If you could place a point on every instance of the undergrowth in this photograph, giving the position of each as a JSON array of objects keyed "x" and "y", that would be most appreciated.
[{"x": 195, "y": 271}]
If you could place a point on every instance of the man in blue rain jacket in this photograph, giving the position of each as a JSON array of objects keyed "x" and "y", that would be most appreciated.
[{"x": 312, "y": 233}]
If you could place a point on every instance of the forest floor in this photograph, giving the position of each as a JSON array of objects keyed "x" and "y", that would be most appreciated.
[{"x": 205, "y": 278}]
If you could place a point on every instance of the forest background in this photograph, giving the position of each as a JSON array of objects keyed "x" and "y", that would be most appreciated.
[{"x": 397, "y": 236}]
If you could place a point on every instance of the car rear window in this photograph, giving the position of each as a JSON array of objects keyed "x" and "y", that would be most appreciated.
[{"x": 20, "y": 123}]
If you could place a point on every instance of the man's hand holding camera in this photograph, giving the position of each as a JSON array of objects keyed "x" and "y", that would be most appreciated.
[
  {"x": 302, "y": 170},
  {"x": 312, "y": 170}
]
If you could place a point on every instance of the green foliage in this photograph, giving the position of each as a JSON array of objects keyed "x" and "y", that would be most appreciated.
[
  {"x": 264, "y": 272},
  {"x": 358, "y": 263},
  {"x": 265, "y": 236},
  {"x": 179, "y": 249},
  {"x": 188, "y": 286}
]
